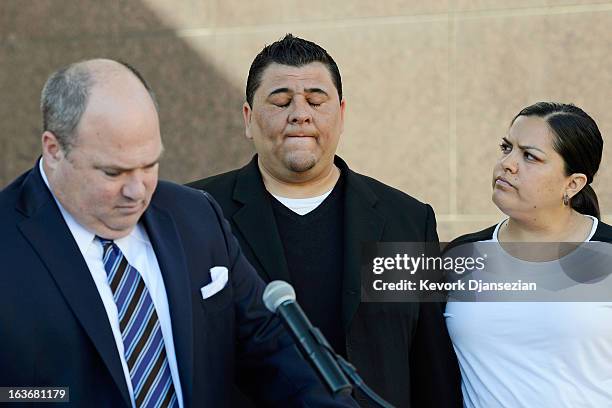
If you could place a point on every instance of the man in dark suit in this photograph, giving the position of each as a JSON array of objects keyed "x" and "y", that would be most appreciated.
[
  {"x": 301, "y": 215},
  {"x": 128, "y": 291}
]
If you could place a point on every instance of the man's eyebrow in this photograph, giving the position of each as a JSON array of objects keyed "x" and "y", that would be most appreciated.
[
  {"x": 279, "y": 90},
  {"x": 315, "y": 90},
  {"x": 306, "y": 90},
  {"x": 122, "y": 169}
]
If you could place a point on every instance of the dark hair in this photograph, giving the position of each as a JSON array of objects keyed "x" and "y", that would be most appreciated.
[
  {"x": 292, "y": 51},
  {"x": 578, "y": 140},
  {"x": 64, "y": 99}
]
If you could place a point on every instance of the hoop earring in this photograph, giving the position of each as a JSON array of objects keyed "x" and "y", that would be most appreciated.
[{"x": 565, "y": 199}]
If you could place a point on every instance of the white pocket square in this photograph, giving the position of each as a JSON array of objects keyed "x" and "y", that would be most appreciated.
[{"x": 218, "y": 274}]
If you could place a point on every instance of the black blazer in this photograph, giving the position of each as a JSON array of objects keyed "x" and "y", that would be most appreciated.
[
  {"x": 54, "y": 330},
  {"x": 402, "y": 350}
]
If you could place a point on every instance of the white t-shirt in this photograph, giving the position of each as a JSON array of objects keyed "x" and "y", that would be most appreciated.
[
  {"x": 526, "y": 354},
  {"x": 302, "y": 206}
]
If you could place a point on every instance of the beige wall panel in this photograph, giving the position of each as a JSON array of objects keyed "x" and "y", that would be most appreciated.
[
  {"x": 6, "y": 22},
  {"x": 397, "y": 120},
  {"x": 506, "y": 63},
  {"x": 478, "y": 5},
  {"x": 231, "y": 13},
  {"x": 23, "y": 75},
  {"x": 603, "y": 179},
  {"x": 61, "y": 19}
]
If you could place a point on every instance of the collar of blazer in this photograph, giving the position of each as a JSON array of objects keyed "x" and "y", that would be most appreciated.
[
  {"x": 52, "y": 240},
  {"x": 362, "y": 223}
]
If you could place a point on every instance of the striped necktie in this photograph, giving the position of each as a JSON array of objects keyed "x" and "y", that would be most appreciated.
[{"x": 143, "y": 342}]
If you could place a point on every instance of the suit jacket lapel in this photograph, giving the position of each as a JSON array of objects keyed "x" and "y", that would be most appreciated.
[
  {"x": 256, "y": 222},
  {"x": 362, "y": 223},
  {"x": 169, "y": 252},
  {"x": 51, "y": 238}
]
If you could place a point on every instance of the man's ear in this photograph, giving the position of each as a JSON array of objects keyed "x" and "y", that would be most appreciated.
[
  {"x": 575, "y": 183},
  {"x": 52, "y": 151},
  {"x": 246, "y": 114},
  {"x": 342, "y": 109}
]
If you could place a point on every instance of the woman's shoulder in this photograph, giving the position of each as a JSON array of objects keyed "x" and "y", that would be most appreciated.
[
  {"x": 482, "y": 235},
  {"x": 603, "y": 233}
]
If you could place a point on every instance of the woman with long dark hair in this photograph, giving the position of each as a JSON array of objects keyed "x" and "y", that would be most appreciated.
[{"x": 546, "y": 354}]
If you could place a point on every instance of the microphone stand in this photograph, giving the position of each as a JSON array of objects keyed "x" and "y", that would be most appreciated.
[{"x": 350, "y": 370}]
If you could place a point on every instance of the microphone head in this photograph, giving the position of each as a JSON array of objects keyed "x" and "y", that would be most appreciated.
[{"x": 276, "y": 293}]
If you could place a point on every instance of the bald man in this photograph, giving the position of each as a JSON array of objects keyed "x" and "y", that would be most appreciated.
[{"x": 129, "y": 291}]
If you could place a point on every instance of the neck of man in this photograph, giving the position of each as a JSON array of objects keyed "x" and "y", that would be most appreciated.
[
  {"x": 565, "y": 225},
  {"x": 49, "y": 174},
  {"x": 300, "y": 185}
]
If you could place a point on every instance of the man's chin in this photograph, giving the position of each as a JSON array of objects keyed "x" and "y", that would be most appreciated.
[
  {"x": 300, "y": 163},
  {"x": 116, "y": 230}
]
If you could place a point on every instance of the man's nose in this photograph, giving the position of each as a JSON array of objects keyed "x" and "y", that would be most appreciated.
[
  {"x": 301, "y": 112},
  {"x": 135, "y": 188}
]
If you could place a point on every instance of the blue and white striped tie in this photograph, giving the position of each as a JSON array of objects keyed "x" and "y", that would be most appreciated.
[{"x": 143, "y": 342}]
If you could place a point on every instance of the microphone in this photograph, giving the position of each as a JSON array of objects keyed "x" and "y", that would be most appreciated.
[{"x": 279, "y": 297}]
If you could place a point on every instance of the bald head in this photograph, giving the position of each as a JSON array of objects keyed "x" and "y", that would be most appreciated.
[{"x": 68, "y": 92}]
